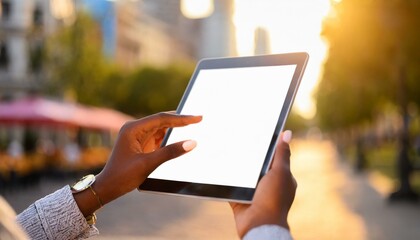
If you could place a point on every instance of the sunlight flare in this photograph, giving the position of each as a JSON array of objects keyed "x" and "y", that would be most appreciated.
[
  {"x": 292, "y": 26},
  {"x": 194, "y": 9}
]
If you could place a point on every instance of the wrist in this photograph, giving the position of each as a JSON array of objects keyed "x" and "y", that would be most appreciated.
[
  {"x": 107, "y": 188},
  {"x": 87, "y": 202},
  {"x": 86, "y": 196}
]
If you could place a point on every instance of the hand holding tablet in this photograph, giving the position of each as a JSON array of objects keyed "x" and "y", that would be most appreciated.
[
  {"x": 244, "y": 103},
  {"x": 274, "y": 195}
]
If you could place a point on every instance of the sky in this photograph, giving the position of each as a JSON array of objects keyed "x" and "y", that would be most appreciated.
[
  {"x": 103, "y": 11},
  {"x": 293, "y": 26}
]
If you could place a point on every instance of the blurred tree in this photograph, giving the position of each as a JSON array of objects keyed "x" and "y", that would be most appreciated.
[
  {"x": 77, "y": 67},
  {"x": 351, "y": 72},
  {"x": 79, "y": 70},
  {"x": 296, "y": 123},
  {"x": 149, "y": 89},
  {"x": 373, "y": 59}
]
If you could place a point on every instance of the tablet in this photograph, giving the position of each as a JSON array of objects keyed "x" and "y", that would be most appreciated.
[{"x": 244, "y": 102}]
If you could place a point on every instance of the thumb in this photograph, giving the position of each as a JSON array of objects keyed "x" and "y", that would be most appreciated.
[
  {"x": 161, "y": 155},
  {"x": 282, "y": 154}
]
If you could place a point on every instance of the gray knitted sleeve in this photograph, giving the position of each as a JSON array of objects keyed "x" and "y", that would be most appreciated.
[
  {"x": 56, "y": 216},
  {"x": 268, "y": 232}
]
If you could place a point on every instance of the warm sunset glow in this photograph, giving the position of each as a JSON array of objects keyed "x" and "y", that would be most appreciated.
[
  {"x": 63, "y": 10},
  {"x": 293, "y": 26},
  {"x": 197, "y": 8}
]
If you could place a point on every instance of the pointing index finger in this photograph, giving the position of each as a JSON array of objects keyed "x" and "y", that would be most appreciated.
[{"x": 169, "y": 120}]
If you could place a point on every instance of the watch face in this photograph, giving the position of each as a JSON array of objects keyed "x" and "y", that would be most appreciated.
[{"x": 84, "y": 183}]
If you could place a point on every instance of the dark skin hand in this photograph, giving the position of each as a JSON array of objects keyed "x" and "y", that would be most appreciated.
[
  {"x": 136, "y": 154},
  {"x": 274, "y": 195}
]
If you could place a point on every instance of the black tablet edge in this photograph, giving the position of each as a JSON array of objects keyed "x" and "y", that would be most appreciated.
[
  {"x": 199, "y": 190},
  {"x": 295, "y": 58},
  {"x": 302, "y": 60}
]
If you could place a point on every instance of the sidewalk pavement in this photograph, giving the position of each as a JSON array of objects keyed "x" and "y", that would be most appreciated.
[{"x": 332, "y": 202}]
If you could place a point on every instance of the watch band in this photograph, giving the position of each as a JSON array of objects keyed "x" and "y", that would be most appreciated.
[
  {"x": 91, "y": 219},
  {"x": 83, "y": 184},
  {"x": 97, "y": 197}
]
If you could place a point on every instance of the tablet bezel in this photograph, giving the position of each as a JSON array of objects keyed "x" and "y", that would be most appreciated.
[{"x": 231, "y": 193}]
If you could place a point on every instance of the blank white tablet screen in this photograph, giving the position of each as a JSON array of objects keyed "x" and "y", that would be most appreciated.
[{"x": 240, "y": 109}]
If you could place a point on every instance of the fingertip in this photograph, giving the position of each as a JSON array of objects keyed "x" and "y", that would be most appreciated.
[
  {"x": 189, "y": 145},
  {"x": 199, "y": 117},
  {"x": 287, "y": 136},
  {"x": 190, "y": 119}
]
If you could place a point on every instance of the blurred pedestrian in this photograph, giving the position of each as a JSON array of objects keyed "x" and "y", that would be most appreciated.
[
  {"x": 417, "y": 145},
  {"x": 71, "y": 152},
  {"x": 8, "y": 228},
  {"x": 15, "y": 149}
]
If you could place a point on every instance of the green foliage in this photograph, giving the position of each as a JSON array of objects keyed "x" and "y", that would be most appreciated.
[
  {"x": 76, "y": 63},
  {"x": 79, "y": 70},
  {"x": 149, "y": 90},
  {"x": 296, "y": 122},
  {"x": 382, "y": 159},
  {"x": 370, "y": 44}
]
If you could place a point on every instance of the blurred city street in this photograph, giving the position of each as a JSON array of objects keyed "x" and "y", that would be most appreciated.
[
  {"x": 332, "y": 202},
  {"x": 73, "y": 72}
]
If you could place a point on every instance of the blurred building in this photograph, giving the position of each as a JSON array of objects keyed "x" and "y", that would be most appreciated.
[
  {"x": 135, "y": 32},
  {"x": 218, "y": 32},
  {"x": 142, "y": 39},
  {"x": 212, "y": 36},
  {"x": 261, "y": 41},
  {"x": 23, "y": 27},
  {"x": 185, "y": 32},
  {"x": 155, "y": 32},
  {"x": 134, "y": 35}
]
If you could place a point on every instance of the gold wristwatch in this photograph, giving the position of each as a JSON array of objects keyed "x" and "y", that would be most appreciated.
[{"x": 83, "y": 184}]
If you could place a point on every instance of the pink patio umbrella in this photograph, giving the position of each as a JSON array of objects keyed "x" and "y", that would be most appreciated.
[
  {"x": 37, "y": 110},
  {"x": 99, "y": 118}
]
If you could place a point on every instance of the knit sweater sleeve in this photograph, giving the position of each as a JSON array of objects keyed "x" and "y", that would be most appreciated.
[
  {"x": 268, "y": 232},
  {"x": 56, "y": 216}
]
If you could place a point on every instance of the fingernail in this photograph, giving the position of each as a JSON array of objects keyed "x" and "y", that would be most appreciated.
[
  {"x": 287, "y": 136},
  {"x": 189, "y": 145}
]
